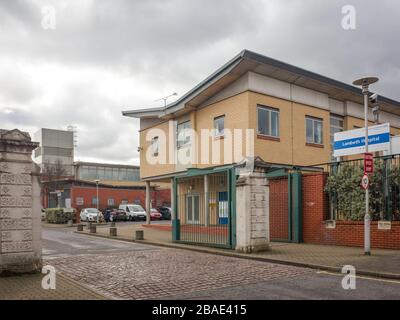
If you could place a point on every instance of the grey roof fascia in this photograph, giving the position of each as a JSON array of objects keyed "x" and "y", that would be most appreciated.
[{"x": 312, "y": 75}]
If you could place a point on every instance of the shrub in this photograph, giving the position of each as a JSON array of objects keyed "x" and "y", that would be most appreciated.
[{"x": 60, "y": 215}]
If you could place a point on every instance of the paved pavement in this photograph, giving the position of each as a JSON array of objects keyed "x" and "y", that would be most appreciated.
[
  {"x": 382, "y": 262},
  {"x": 29, "y": 287},
  {"x": 136, "y": 271}
]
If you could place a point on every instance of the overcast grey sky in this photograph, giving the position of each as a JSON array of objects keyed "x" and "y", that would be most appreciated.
[{"x": 106, "y": 56}]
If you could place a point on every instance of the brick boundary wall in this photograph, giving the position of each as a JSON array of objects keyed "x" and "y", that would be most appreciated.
[
  {"x": 346, "y": 233},
  {"x": 316, "y": 212}
]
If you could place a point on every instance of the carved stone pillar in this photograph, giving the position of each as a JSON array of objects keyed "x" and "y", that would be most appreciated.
[{"x": 20, "y": 207}]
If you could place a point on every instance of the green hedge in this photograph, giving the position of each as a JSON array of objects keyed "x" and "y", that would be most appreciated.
[{"x": 59, "y": 215}]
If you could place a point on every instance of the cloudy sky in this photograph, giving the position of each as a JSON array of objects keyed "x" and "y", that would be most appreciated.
[{"x": 107, "y": 56}]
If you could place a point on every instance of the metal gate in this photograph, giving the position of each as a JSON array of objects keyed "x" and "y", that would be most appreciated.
[
  {"x": 204, "y": 209},
  {"x": 285, "y": 207}
]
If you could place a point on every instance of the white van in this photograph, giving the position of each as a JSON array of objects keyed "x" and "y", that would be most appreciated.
[{"x": 134, "y": 212}]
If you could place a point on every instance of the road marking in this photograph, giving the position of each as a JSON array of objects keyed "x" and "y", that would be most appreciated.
[{"x": 360, "y": 277}]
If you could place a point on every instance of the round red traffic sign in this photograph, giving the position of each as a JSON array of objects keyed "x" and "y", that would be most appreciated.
[{"x": 365, "y": 182}]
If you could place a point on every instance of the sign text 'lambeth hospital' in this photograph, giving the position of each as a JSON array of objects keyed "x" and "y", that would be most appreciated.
[{"x": 353, "y": 141}]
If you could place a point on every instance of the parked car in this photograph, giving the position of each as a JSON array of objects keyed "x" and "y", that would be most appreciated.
[
  {"x": 155, "y": 215},
  {"x": 90, "y": 215},
  {"x": 107, "y": 215},
  {"x": 166, "y": 213},
  {"x": 118, "y": 215},
  {"x": 134, "y": 212}
]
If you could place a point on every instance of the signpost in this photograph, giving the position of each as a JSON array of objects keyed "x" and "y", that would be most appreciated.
[
  {"x": 353, "y": 141},
  {"x": 368, "y": 163},
  {"x": 365, "y": 182},
  {"x": 374, "y": 140}
]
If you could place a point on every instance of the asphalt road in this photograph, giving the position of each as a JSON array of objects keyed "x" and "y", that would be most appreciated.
[
  {"x": 64, "y": 243},
  {"x": 149, "y": 272}
]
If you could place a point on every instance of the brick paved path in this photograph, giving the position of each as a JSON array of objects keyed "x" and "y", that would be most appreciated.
[
  {"x": 29, "y": 287},
  {"x": 164, "y": 272}
]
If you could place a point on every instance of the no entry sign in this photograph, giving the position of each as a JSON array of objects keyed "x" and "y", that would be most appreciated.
[
  {"x": 365, "y": 182},
  {"x": 368, "y": 163}
]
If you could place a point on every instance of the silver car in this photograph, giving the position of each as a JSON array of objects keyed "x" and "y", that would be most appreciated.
[{"x": 90, "y": 215}]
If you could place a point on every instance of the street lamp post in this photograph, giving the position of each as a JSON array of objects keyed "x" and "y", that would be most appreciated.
[
  {"x": 365, "y": 82},
  {"x": 97, "y": 200}
]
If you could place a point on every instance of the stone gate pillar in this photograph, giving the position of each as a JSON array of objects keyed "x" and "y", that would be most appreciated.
[
  {"x": 20, "y": 207},
  {"x": 252, "y": 213}
]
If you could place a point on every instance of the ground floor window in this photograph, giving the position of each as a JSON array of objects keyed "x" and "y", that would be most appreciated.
[{"x": 110, "y": 202}]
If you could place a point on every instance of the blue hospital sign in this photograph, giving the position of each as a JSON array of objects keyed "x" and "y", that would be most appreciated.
[{"x": 353, "y": 142}]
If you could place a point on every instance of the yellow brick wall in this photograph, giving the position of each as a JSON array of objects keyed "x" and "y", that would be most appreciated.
[
  {"x": 241, "y": 113},
  {"x": 148, "y": 170},
  {"x": 236, "y": 112}
]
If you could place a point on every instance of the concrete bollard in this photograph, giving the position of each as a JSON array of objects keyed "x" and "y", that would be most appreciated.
[
  {"x": 113, "y": 232},
  {"x": 93, "y": 229},
  {"x": 139, "y": 235},
  {"x": 70, "y": 223},
  {"x": 80, "y": 227}
]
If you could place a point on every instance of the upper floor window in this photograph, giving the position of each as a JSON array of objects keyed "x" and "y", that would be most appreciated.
[
  {"x": 219, "y": 126},
  {"x": 337, "y": 125},
  {"x": 268, "y": 121},
  {"x": 183, "y": 134},
  {"x": 314, "y": 130},
  {"x": 154, "y": 146}
]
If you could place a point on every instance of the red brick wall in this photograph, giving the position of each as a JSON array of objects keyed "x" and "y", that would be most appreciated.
[
  {"x": 316, "y": 211},
  {"x": 351, "y": 233},
  {"x": 346, "y": 233},
  {"x": 278, "y": 218}
]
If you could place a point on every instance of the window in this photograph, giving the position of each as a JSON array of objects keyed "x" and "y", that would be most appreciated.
[
  {"x": 94, "y": 201},
  {"x": 183, "y": 134},
  {"x": 110, "y": 202},
  {"x": 337, "y": 125},
  {"x": 154, "y": 146},
  {"x": 314, "y": 130},
  {"x": 268, "y": 121},
  {"x": 79, "y": 201},
  {"x": 219, "y": 126}
]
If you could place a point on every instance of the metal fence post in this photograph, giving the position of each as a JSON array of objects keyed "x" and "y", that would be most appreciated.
[{"x": 176, "y": 229}]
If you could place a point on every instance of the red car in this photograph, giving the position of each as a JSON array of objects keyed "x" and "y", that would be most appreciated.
[{"x": 155, "y": 215}]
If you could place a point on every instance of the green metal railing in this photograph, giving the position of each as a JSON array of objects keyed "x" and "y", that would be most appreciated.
[
  {"x": 345, "y": 194},
  {"x": 205, "y": 218}
]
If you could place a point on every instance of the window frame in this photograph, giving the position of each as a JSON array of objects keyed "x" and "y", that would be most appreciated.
[
  {"x": 218, "y": 134},
  {"x": 336, "y": 117},
  {"x": 186, "y": 144},
  {"x": 315, "y": 119},
  {"x": 270, "y": 110},
  {"x": 155, "y": 147}
]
